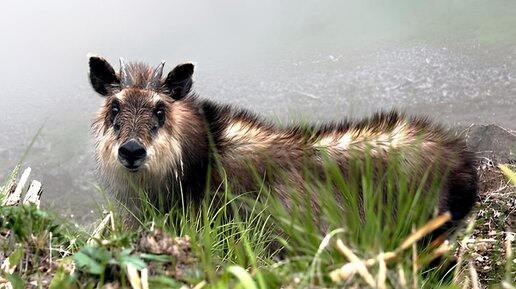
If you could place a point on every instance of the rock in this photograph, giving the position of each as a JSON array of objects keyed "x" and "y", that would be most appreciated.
[
  {"x": 492, "y": 142},
  {"x": 481, "y": 247}
]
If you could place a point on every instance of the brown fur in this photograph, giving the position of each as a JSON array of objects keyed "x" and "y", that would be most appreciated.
[{"x": 197, "y": 134}]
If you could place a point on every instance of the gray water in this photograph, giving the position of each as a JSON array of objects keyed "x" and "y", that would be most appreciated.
[{"x": 454, "y": 61}]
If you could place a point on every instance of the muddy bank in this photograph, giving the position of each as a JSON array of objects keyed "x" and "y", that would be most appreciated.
[
  {"x": 495, "y": 210},
  {"x": 493, "y": 142}
]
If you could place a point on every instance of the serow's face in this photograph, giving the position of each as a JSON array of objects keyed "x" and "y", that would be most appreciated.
[{"x": 136, "y": 117}]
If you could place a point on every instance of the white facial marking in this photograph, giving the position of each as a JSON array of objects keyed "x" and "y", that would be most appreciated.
[
  {"x": 164, "y": 156},
  {"x": 155, "y": 97}
]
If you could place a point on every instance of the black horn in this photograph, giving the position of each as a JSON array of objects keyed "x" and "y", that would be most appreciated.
[{"x": 155, "y": 80}]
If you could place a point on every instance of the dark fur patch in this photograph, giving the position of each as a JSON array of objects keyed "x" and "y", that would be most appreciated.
[{"x": 102, "y": 76}]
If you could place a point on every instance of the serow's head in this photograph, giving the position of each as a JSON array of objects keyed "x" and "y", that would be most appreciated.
[{"x": 136, "y": 124}]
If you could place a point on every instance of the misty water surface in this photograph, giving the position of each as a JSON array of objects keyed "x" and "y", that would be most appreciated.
[{"x": 289, "y": 60}]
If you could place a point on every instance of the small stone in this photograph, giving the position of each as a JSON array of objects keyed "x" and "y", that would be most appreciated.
[{"x": 481, "y": 247}]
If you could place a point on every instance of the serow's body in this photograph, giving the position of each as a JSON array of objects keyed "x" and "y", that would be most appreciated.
[{"x": 155, "y": 135}]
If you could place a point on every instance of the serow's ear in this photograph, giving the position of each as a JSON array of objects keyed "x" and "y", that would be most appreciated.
[
  {"x": 179, "y": 81},
  {"x": 102, "y": 75}
]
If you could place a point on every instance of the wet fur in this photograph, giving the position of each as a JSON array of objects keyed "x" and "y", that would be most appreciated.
[{"x": 200, "y": 136}]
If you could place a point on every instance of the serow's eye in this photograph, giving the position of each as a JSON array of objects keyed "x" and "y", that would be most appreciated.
[
  {"x": 114, "y": 111},
  {"x": 160, "y": 114}
]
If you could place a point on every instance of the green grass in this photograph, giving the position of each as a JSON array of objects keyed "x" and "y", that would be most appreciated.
[{"x": 214, "y": 246}]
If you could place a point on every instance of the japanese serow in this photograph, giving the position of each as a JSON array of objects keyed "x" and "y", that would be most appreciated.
[{"x": 154, "y": 134}]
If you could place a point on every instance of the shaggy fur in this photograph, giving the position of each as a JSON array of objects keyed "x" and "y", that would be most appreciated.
[{"x": 199, "y": 137}]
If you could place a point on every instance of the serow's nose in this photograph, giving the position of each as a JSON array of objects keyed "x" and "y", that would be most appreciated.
[{"x": 132, "y": 154}]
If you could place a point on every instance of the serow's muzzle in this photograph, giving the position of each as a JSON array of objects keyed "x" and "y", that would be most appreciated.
[{"x": 132, "y": 154}]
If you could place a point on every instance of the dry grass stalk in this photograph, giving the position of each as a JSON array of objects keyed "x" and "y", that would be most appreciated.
[
  {"x": 414, "y": 262},
  {"x": 200, "y": 285},
  {"x": 134, "y": 277},
  {"x": 357, "y": 265},
  {"x": 438, "y": 252},
  {"x": 387, "y": 257},
  {"x": 145, "y": 278},
  {"x": 508, "y": 257},
  {"x": 401, "y": 276},
  {"x": 100, "y": 228},
  {"x": 462, "y": 250},
  {"x": 474, "y": 276},
  {"x": 425, "y": 230},
  {"x": 382, "y": 271}
]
